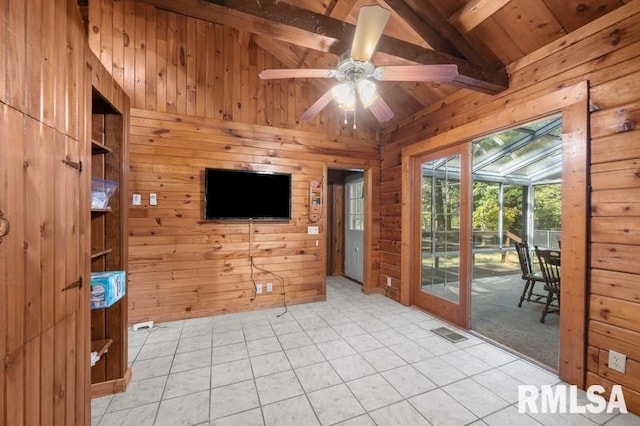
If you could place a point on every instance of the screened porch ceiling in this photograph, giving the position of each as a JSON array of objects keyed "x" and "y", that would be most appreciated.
[{"x": 525, "y": 155}]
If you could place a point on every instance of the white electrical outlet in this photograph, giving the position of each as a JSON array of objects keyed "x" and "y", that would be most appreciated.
[
  {"x": 269, "y": 287},
  {"x": 258, "y": 288},
  {"x": 136, "y": 199},
  {"x": 153, "y": 199},
  {"x": 388, "y": 281},
  {"x": 617, "y": 361}
]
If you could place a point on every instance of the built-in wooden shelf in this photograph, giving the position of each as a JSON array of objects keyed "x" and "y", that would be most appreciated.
[
  {"x": 98, "y": 148},
  {"x": 101, "y": 346},
  {"x": 101, "y": 253},
  {"x": 108, "y": 249}
]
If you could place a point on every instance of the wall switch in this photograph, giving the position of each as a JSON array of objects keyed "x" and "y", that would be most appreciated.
[
  {"x": 313, "y": 230},
  {"x": 388, "y": 281},
  {"x": 269, "y": 287},
  {"x": 153, "y": 199},
  {"x": 136, "y": 199},
  {"x": 617, "y": 361},
  {"x": 258, "y": 288}
]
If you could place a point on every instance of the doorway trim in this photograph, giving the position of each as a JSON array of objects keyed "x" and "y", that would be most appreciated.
[
  {"x": 370, "y": 232},
  {"x": 573, "y": 103}
]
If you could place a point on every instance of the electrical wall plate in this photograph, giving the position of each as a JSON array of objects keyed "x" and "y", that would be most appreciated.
[
  {"x": 617, "y": 361},
  {"x": 137, "y": 199},
  {"x": 153, "y": 199}
]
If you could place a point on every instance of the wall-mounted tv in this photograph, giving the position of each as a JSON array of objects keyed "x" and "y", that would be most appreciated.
[{"x": 244, "y": 195}]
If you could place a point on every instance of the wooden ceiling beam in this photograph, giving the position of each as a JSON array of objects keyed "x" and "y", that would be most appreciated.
[
  {"x": 217, "y": 14},
  {"x": 287, "y": 23},
  {"x": 427, "y": 21},
  {"x": 476, "y": 12},
  {"x": 472, "y": 76}
]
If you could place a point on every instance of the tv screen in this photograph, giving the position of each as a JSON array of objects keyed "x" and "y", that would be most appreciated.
[{"x": 244, "y": 195}]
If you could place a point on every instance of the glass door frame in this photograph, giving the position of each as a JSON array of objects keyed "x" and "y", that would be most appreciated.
[
  {"x": 573, "y": 103},
  {"x": 456, "y": 313}
]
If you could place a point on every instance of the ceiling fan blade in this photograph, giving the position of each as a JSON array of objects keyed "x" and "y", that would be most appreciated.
[
  {"x": 371, "y": 22},
  {"x": 318, "y": 106},
  {"x": 381, "y": 110},
  {"x": 438, "y": 73},
  {"x": 296, "y": 73}
]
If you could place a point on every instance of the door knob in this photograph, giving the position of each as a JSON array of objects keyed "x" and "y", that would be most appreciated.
[{"x": 4, "y": 226}]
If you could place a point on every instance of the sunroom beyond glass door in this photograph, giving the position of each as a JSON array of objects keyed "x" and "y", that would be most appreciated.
[
  {"x": 442, "y": 286},
  {"x": 440, "y": 201}
]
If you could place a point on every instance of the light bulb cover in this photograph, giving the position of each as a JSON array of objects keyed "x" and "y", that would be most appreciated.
[
  {"x": 345, "y": 96},
  {"x": 367, "y": 92}
]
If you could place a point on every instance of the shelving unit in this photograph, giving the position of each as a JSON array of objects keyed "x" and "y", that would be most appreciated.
[{"x": 111, "y": 373}]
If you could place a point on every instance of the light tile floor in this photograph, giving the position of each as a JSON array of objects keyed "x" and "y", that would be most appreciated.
[{"x": 352, "y": 360}]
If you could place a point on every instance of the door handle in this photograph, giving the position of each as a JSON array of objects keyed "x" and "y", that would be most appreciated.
[{"x": 4, "y": 226}]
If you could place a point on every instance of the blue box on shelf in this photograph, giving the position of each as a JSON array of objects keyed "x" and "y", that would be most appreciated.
[{"x": 107, "y": 288}]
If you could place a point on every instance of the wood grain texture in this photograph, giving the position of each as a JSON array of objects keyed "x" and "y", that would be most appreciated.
[
  {"x": 611, "y": 66},
  {"x": 191, "y": 66},
  {"x": 183, "y": 267},
  {"x": 41, "y": 114},
  {"x": 605, "y": 52}
]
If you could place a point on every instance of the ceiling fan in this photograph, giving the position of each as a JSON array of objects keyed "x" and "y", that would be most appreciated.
[{"x": 356, "y": 73}]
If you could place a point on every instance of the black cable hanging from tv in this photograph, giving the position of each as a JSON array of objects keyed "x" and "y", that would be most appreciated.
[{"x": 252, "y": 265}]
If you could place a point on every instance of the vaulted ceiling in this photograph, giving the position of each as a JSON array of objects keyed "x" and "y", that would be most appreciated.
[{"x": 480, "y": 36}]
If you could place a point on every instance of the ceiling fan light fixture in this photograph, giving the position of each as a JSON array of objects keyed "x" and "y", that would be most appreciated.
[
  {"x": 345, "y": 96},
  {"x": 367, "y": 92}
]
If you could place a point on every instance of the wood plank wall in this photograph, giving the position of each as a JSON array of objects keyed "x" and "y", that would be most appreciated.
[
  {"x": 180, "y": 266},
  {"x": 44, "y": 337},
  {"x": 168, "y": 62},
  {"x": 197, "y": 102},
  {"x": 607, "y": 54}
]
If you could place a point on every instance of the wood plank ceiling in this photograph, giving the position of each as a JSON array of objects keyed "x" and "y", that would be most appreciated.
[{"x": 480, "y": 36}]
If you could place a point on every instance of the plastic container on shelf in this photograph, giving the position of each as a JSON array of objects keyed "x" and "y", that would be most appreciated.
[
  {"x": 101, "y": 191},
  {"x": 107, "y": 288}
]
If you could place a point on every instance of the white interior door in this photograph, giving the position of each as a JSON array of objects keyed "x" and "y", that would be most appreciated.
[{"x": 354, "y": 227}]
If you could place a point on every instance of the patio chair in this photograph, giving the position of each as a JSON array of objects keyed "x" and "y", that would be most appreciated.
[
  {"x": 550, "y": 265},
  {"x": 529, "y": 277}
]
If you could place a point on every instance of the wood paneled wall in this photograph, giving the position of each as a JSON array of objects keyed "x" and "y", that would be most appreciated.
[
  {"x": 607, "y": 54},
  {"x": 173, "y": 63},
  {"x": 180, "y": 266},
  {"x": 198, "y": 102},
  {"x": 44, "y": 341}
]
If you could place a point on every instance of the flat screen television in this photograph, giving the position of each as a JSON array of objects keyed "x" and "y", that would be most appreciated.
[{"x": 244, "y": 195}]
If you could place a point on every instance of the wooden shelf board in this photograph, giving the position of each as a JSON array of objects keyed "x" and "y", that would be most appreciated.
[
  {"x": 98, "y": 148},
  {"x": 101, "y": 253},
  {"x": 101, "y": 346},
  {"x": 111, "y": 387},
  {"x": 105, "y": 210}
]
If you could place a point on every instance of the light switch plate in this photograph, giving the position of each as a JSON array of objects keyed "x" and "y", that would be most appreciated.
[
  {"x": 153, "y": 199},
  {"x": 313, "y": 230},
  {"x": 136, "y": 199}
]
